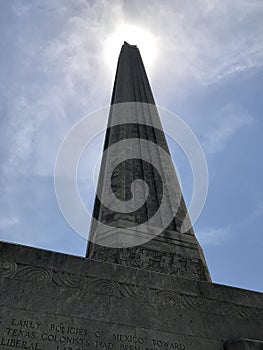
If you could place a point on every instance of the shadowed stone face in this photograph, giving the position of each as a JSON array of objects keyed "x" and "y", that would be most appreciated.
[
  {"x": 137, "y": 170},
  {"x": 52, "y": 301},
  {"x": 244, "y": 344}
]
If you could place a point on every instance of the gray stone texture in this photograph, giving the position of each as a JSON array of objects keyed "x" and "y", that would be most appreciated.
[
  {"x": 172, "y": 251},
  {"x": 53, "y": 301},
  {"x": 244, "y": 344}
]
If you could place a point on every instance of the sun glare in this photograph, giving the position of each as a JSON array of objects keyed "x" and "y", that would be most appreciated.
[{"x": 133, "y": 35}]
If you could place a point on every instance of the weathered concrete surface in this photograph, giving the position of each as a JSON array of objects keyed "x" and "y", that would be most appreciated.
[
  {"x": 52, "y": 301},
  {"x": 244, "y": 344},
  {"x": 134, "y": 116}
]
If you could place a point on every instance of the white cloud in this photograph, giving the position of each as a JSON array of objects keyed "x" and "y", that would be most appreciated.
[
  {"x": 213, "y": 236},
  {"x": 59, "y": 74},
  {"x": 220, "y": 235},
  {"x": 8, "y": 221},
  {"x": 53, "y": 71},
  {"x": 257, "y": 212},
  {"x": 210, "y": 40},
  {"x": 228, "y": 121}
]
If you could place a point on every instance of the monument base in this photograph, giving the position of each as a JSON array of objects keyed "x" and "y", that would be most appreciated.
[{"x": 52, "y": 301}]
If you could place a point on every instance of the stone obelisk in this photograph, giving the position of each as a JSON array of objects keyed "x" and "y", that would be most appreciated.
[
  {"x": 134, "y": 115},
  {"x": 148, "y": 286}
]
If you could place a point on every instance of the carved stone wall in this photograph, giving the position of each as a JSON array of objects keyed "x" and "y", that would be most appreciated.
[
  {"x": 244, "y": 344},
  {"x": 154, "y": 260},
  {"x": 51, "y": 301}
]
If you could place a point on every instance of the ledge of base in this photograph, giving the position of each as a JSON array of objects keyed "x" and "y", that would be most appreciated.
[
  {"x": 48, "y": 287},
  {"x": 29, "y": 256},
  {"x": 244, "y": 344}
]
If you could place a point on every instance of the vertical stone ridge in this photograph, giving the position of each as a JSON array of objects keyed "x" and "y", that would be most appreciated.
[
  {"x": 171, "y": 252},
  {"x": 124, "y": 89}
]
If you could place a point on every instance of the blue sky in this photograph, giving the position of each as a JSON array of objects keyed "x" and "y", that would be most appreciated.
[{"x": 208, "y": 71}]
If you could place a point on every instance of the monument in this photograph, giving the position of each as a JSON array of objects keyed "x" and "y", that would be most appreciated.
[{"x": 144, "y": 284}]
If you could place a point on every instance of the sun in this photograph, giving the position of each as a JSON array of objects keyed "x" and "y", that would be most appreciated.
[{"x": 134, "y": 35}]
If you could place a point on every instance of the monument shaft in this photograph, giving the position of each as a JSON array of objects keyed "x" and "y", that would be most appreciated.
[
  {"x": 134, "y": 115},
  {"x": 153, "y": 296}
]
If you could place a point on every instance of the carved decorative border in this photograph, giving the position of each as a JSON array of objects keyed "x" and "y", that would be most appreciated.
[
  {"x": 153, "y": 260},
  {"x": 40, "y": 275}
]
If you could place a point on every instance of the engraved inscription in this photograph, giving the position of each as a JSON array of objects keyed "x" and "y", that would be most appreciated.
[
  {"x": 61, "y": 335},
  {"x": 26, "y": 330},
  {"x": 21, "y": 334}
]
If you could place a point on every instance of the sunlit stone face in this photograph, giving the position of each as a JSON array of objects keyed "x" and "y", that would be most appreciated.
[{"x": 133, "y": 35}]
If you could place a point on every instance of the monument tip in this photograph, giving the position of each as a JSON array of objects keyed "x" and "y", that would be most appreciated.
[{"x": 129, "y": 45}]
